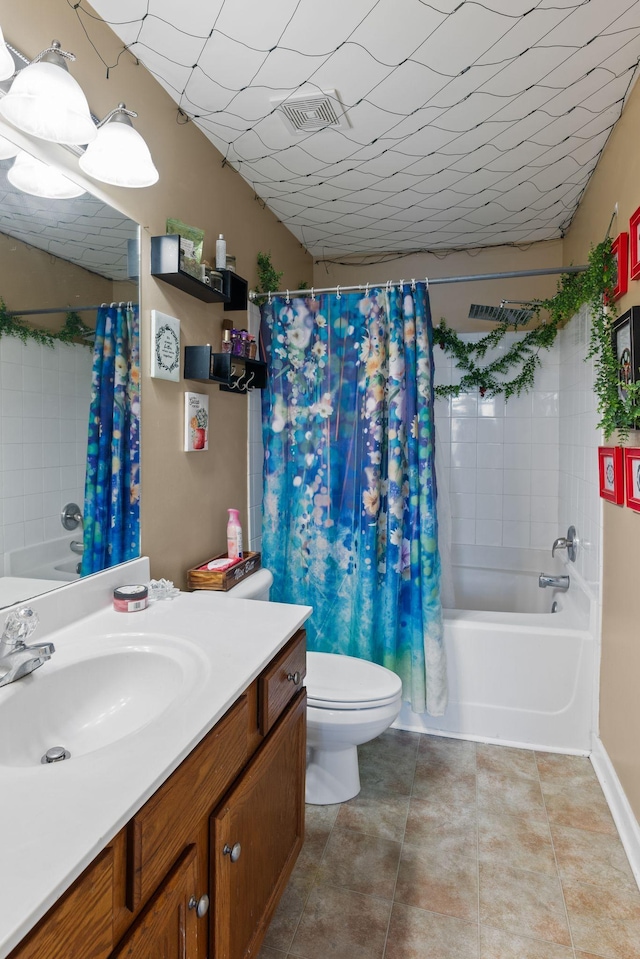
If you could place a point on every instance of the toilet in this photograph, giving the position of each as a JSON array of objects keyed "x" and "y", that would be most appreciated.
[{"x": 349, "y": 702}]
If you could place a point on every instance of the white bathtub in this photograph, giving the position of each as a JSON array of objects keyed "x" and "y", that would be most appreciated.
[{"x": 518, "y": 673}]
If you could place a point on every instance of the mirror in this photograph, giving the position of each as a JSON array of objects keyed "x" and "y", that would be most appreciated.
[{"x": 55, "y": 256}]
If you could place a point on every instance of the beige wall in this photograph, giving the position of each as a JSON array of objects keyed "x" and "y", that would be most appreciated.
[
  {"x": 617, "y": 180},
  {"x": 452, "y": 300},
  {"x": 184, "y": 495}
]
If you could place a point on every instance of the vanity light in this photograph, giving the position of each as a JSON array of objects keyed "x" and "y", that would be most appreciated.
[
  {"x": 45, "y": 101},
  {"x": 7, "y": 66},
  {"x": 119, "y": 155},
  {"x": 39, "y": 179},
  {"x": 7, "y": 149}
]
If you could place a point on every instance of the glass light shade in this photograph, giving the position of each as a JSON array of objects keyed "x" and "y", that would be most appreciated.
[
  {"x": 45, "y": 101},
  {"x": 39, "y": 179},
  {"x": 7, "y": 149},
  {"x": 7, "y": 66},
  {"x": 119, "y": 156}
]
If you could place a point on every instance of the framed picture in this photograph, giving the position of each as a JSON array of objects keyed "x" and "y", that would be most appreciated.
[
  {"x": 165, "y": 346},
  {"x": 620, "y": 250},
  {"x": 196, "y": 422},
  {"x": 611, "y": 473},
  {"x": 625, "y": 332},
  {"x": 634, "y": 245},
  {"x": 632, "y": 476}
]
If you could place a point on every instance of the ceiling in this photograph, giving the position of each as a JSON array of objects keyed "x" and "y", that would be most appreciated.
[{"x": 467, "y": 123}]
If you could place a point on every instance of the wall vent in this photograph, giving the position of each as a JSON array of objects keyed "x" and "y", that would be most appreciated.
[{"x": 308, "y": 113}]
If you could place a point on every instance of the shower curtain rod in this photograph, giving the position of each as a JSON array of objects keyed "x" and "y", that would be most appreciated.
[
  {"x": 436, "y": 280},
  {"x": 66, "y": 309}
]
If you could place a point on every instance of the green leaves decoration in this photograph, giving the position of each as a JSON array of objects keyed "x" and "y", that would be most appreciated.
[
  {"x": 73, "y": 331},
  {"x": 593, "y": 287}
]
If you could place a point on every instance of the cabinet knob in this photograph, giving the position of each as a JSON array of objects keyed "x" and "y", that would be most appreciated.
[
  {"x": 232, "y": 851},
  {"x": 201, "y": 905},
  {"x": 294, "y": 677}
]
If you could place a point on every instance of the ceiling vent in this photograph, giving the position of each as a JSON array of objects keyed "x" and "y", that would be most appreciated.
[{"x": 308, "y": 113}]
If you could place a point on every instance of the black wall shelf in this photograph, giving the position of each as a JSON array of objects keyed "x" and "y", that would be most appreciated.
[
  {"x": 165, "y": 265},
  {"x": 234, "y": 374}
]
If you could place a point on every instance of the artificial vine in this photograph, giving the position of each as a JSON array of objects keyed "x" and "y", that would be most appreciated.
[
  {"x": 74, "y": 329},
  {"x": 619, "y": 410},
  {"x": 268, "y": 277}
]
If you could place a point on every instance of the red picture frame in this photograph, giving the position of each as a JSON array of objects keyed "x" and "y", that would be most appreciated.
[
  {"x": 634, "y": 245},
  {"x": 632, "y": 476},
  {"x": 620, "y": 250},
  {"x": 611, "y": 474}
]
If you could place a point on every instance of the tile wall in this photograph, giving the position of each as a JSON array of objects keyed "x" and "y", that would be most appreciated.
[
  {"x": 44, "y": 402},
  {"x": 579, "y": 500}
]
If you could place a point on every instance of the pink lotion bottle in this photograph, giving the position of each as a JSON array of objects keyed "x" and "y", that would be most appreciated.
[{"x": 234, "y": 535}]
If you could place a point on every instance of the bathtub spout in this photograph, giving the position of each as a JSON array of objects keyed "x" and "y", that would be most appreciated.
[{"x": 557, "y": 582}]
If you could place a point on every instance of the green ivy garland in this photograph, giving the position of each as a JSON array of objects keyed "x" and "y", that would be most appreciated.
[
  {"x": 74, "y": 329},
  {"x": 594, "y": 287},
  {"x": 268, "y": 277}
]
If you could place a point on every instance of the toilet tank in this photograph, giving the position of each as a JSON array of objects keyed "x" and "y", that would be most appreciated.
[{"x": 256, "y": 586}]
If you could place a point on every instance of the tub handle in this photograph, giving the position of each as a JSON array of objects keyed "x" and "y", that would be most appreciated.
[{"x": 568, "y": 542}]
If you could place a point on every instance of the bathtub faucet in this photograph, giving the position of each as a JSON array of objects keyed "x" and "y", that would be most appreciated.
[{"x": 558, "y": 582}]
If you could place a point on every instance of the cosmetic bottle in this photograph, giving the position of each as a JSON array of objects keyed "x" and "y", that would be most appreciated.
[
  {"x": 221, "y": 253},
  {"x": 234, "y": 535}
]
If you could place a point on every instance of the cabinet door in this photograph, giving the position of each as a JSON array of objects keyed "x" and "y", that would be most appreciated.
[
  {"x": 167, "y": 927},
  {"x": 264, "y": 814}
]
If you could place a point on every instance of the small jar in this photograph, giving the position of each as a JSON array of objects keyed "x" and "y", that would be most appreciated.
[
  {"x": 236, "y": 342},
  {"x": 244, "y": 336},
  {"x": 253, "y": 347},
  {"x": 226, "y": 341}
]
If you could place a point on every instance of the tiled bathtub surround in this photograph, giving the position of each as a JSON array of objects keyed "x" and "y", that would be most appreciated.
[
  {"x": 519, "y": 472},
  {"x": 44, "y": 407},
  {"x": 458, "y": 850}
]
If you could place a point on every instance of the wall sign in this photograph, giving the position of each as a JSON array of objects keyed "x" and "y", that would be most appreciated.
[
  {"x": 620, "y": 250},
  {"x": 625, "y": 336},
  {"x": 165, "y": 346},
  {"x": 634, "y": 245},
  {"x": 632, "y": 476}
]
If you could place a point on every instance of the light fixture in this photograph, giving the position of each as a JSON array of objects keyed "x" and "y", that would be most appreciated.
[
  {"x": 7, "y": 66},
  {"x": 7, "y": 149},
  {"x": 119, "y": 155},
  {"x": 39, "y": 179},
  {"x": 45, "y": 101}
]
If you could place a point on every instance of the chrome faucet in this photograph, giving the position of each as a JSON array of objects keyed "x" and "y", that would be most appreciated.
[
  {"x": 557, "y": 582},
  {"x": 16, "y": 658},
  {"x": 568, "y": 542}
]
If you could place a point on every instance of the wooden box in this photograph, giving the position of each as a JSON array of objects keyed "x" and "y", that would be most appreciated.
[{"x": 222, "y": 579}]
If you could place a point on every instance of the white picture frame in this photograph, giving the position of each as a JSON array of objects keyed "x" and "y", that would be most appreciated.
[{"x": 165, "y": 347}]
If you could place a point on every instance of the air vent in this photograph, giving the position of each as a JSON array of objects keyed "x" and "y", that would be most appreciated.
[{"x": 308, "y": 113}]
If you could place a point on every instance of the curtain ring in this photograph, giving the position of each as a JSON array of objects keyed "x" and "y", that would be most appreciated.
[
  {"x": 426, "y": 280},
  {"x": 313, "y": 293},
  {"x": 288, "y": 297},
  {"x": 413, "y": 285},
  {"x": 401, "y": 285},
  {"x": 366, "y": 290},
  {"x": 269, "y": 297},
  {"x": 338, "y": 293}
]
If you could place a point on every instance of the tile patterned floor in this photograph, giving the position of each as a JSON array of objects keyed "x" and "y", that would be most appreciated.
[{"x": 458, "y": 850}]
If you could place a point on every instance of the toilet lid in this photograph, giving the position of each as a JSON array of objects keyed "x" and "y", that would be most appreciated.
[{"x": 345, "y": 682}]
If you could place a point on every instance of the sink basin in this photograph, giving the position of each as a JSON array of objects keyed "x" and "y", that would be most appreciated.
[{"x": 89, "y": 703}]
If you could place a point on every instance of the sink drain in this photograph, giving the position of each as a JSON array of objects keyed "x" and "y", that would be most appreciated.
[{"x": 55, "y": 755}]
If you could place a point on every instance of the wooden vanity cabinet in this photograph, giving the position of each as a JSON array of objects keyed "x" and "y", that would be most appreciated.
[{"x": 226, "y": 826}]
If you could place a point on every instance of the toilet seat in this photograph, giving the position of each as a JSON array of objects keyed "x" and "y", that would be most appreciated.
[{"x": 345, "y": 682}]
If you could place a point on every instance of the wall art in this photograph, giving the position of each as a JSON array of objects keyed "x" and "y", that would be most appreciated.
[
  {"x": 611, "y": 474},
  {"x": 625, "y": 335},
  {"x": 632, "y": 476},
  {"x": 165, "y": 346},
  {"x": 620, "y": 250},
  {"x": 634, "y": 245},
  {"x": 196, "y": 421}
]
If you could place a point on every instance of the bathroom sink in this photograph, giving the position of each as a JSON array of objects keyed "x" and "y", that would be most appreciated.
[{"x": 85, "y": 704}]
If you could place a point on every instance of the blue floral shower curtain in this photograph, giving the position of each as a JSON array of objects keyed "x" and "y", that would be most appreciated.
[
  {"x": 112, "y": 485},
  {"x": 349, "y": 522}
]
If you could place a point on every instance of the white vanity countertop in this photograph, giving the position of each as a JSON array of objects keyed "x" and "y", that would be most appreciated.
[{"x": 58, "y": 817}]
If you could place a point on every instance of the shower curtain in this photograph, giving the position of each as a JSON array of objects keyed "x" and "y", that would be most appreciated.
[
  {"x": 349, "y": 524},
  {"x": 112, "y": 484}
]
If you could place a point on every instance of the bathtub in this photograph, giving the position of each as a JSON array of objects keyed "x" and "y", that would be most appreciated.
[{"x": 518, "y": 673}]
